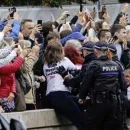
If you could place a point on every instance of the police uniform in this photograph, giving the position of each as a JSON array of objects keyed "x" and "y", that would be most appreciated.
[{"x": 102, "y": 82}]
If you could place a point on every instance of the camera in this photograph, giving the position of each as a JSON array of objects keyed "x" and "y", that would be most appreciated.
[{"x": 12, "y": 11}]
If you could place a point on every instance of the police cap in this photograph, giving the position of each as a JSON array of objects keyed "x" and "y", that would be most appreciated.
[
  {"x": 88, "y": 46},
  {"x": 112, "y": 48},
  {"x": 101, "y": 45}
]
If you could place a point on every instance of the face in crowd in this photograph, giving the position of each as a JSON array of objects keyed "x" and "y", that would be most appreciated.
[
  {"x": 27, "y": 28},
  {"x": 122, "y": 34}
]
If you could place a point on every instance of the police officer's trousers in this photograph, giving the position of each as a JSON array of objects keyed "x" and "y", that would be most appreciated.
[{"x": 103, "y": 116}]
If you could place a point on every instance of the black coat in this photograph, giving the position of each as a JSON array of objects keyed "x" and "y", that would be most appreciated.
[
  {"x": 101, "y": 75},
  {"x": 76, "y": 81}
]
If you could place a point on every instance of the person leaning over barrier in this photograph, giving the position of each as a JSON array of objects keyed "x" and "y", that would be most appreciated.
[
  {"x": 89, "y": 56},
  {"x": 58, "y": 95}
]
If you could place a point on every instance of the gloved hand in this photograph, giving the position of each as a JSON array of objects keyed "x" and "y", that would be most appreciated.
[{"x": 61, "y": 70}]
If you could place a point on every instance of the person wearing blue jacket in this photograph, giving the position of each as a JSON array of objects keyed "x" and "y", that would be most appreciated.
[{"x": 15, "y": 26}]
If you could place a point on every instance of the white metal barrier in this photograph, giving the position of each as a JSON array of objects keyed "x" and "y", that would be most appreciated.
[{"x": 46, "y": 13}]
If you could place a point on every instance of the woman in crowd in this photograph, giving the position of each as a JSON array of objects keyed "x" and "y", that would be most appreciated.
[
  {"x": 27, "y": 72},
  {"x": 74, "y": 55},
  {"x": 58, "y": 94},
  {"x": 8, "y": 84}
]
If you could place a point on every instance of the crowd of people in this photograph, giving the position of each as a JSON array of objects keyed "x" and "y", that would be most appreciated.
[{"x": 80, "y": 68}]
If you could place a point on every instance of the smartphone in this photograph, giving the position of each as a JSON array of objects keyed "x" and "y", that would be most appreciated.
[
  {"x": 12, "y": 11},
  {"x": 115, "y": 38},
  {"x": 16, "y": 46},
  {"x": 81, "y": 7},
  {"x": 39, "y": 22}
]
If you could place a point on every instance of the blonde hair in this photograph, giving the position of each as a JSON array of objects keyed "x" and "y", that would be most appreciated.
[
  {"x": 127, "y": 71},
  {"x": 53, "y": 53}
]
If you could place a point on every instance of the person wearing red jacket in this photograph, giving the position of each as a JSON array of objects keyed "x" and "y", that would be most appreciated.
[{"x": 8, "y": 85}]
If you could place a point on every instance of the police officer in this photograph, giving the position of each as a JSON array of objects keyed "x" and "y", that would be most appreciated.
[
  {"x": 102, "y": 82},
  {"x": 112, "y": 52}
]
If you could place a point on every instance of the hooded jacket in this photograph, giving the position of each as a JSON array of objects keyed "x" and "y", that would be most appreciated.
[{"x": 74, "y": 35}]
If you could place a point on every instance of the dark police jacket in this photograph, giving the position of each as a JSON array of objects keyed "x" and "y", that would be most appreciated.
[
  {"x": 75, "y": 81},
  {"x": 102, "y": 75}
]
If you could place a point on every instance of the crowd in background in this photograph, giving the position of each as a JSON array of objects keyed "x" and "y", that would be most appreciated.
[{"x": 30, "y": 55}]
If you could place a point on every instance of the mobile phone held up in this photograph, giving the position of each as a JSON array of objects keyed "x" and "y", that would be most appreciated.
[
  {"x": 40, "y": 23},
  {"x": 12, "y": 11},
  {"x": 81, "y": 7}
]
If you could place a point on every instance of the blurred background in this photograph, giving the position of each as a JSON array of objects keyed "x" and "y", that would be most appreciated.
[{"x": 53, "y": 3}]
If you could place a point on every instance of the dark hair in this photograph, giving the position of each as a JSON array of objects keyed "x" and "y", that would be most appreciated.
[
  {"x": 53, "y": 53},
  {"x": 53, "y": 35},
  {"x": 116, "y": 28},
  {"x": 98, "y": 25},
  {"x": 65, "y": 33},
  {"x": 25, "y": 21},
  {"x": 46, "y": 28},
  {"x": 102, "y": 32},
  {"x": 73, "y": 54}
]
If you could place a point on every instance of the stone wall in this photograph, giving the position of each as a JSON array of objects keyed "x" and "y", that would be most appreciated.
[{"x": 45, "y": 119}]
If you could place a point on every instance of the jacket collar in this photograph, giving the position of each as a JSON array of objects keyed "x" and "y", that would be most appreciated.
[
  {"x": 105, "y": 57},
  {"x": 115, "y": 58},
  {"x": 89, "y": 58}
]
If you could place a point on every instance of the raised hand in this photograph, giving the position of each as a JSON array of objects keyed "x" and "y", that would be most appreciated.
[
  {"x": 7, "y": 28},
  {"x": 125, "y": 8}
]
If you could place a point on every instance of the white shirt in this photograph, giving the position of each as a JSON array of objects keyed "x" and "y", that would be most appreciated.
[
  {"x": 119, "y": 50},
  {"x": 55, "y": 80}
]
